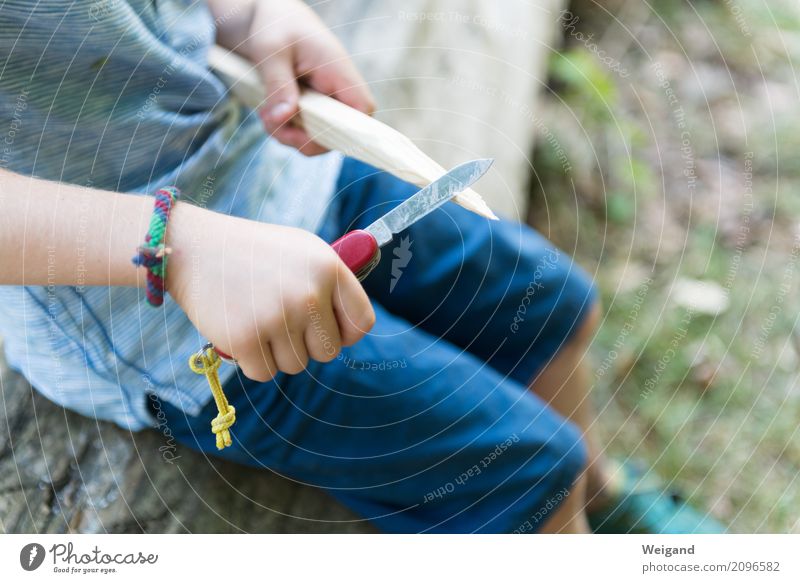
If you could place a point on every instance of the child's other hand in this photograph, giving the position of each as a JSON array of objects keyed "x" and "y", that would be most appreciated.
[
  {"x": 270, "y": 296},
  {"x": 288, "y": 42}
]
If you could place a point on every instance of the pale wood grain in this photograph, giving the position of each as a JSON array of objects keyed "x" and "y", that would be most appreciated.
[{"x": 337, "y": 126}]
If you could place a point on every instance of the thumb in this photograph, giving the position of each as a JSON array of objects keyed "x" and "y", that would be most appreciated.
[{"x": 280, "y": 82}]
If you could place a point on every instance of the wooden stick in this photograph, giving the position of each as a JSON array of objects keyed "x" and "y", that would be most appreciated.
[{"x": 337, "y": 126}]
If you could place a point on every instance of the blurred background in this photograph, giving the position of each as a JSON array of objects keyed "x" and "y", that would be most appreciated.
[
  {"x": 682, "y": 198},
  {"x": 657, "y": 142}
]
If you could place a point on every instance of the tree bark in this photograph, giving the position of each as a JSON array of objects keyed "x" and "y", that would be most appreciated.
[{"x": 61, "y": 472}]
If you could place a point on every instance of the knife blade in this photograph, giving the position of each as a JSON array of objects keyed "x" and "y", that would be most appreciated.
[{"x": 360, "y": 249}]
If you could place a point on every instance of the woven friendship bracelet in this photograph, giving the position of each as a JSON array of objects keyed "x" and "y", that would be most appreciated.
[{"x": 152, "y": 255}]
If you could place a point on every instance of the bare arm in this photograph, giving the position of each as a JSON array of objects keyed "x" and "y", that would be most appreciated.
[
  {"x": 59, "y": 234},
  {"x": 271, "y": 296}
]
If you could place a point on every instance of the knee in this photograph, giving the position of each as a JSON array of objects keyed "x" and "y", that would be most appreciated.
[
  {"x": 588, "y": 326},
  {"x": 580, "y": 307}
]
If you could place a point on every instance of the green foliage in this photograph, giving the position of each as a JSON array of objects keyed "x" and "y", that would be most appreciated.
[
  {"x": 585, "y": 82},
  {"x": 711, "y": 402}
]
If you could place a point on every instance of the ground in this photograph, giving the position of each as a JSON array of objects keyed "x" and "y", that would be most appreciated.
[{"x": 666, "y": 166}]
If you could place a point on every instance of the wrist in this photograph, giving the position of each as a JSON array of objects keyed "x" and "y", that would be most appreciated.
[
  {"x": 233, "y": 20},
  {"x": 184, "y": 239},
  {"x": 130, "y": 216},
  {"x": 274, "y": 26},
  {"x": 252, "y": 46}
]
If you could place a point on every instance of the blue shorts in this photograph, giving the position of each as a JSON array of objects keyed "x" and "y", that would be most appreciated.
[{"x": 427, "y": 424}]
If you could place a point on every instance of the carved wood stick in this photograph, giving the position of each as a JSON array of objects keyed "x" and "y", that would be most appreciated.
[{"x": 337, "y": 126}]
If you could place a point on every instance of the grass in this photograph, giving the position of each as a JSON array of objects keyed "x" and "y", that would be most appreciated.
[{"x": 684, "y": 170}]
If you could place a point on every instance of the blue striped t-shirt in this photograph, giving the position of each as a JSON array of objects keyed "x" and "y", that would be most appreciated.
[{"x": 117, "y": 95}]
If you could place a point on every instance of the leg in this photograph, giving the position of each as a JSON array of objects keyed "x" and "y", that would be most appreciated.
[
  {"x": 570, "y": 518},
  {"x": 502, "y": 292},
  {"x": 498, "y": 290},
  {"x": 564, "y": 384}
]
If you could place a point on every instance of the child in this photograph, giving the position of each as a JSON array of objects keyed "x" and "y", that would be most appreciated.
[{"x": 449, "y": 396}]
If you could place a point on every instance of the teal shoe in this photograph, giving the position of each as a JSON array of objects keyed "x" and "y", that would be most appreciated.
[{"x": 643, "y": 506}]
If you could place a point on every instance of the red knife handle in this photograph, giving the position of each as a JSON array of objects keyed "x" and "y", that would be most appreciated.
[{"x": 359, "y": 250}]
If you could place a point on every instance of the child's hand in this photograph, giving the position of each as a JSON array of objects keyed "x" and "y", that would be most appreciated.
[
  {"x": 288, "y": 41},
  {"x": 270, "y": 296}
]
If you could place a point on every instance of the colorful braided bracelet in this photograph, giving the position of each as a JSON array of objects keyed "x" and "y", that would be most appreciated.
[{"x": 152, "y": 255}]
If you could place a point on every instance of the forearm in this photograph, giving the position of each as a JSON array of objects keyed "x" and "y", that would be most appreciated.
[{"x": 60, "y": 234}]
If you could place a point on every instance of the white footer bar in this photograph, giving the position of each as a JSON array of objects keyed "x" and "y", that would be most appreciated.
[{"x": 384, "y": 558}]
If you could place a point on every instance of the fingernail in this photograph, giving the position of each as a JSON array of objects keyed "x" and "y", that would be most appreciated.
[{"x": 280, "y": 110}]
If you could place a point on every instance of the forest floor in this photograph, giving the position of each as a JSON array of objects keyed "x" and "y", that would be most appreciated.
[{"x": 680, "y": 194}]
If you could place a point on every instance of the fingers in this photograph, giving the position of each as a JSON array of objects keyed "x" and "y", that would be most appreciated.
[
  {"x": 315, "y": 311},
  {"x": 259, "y": 365},
  {"x": 326, "y": 67},
  {"x": 352, "y": 308},
  {"x": 280, "y": 81},
  {"x": 283, "y": 92},
  {"x": 322, "y": 335},
  {"x": 323, "y": 63},
  {"x": 329, "y": 328},
  {"x": 296, "y": 137},
  {"x": 290, "y": 352},
  {"x": 341, "y": 80}
]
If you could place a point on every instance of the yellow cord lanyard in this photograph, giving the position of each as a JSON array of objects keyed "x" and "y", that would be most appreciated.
[
  {"x": 153, "y": 256},
  {"x": 207, "y": 362}
]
